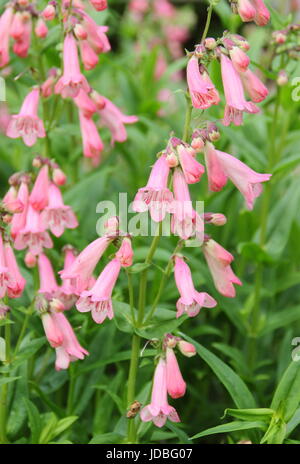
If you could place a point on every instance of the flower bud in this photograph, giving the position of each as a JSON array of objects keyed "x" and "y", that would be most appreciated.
[
  {"x": 210, "y": 43},
  {"x": 80, "y": 32},
  {"x": 56, "y": 305},
  {"x": 3, "y": 310},
  {"x": 217, "y": 219},
  {"x": 186, "y": 348},
  {"x": 282, "y": 78},
  {"x": 279, "y": 37},
  {"x": 59, "y": 177},
  {"x": 172, "y": 160},
  {"x": 49, "y": 13},
  {"x": 30, "y": 260},
  {"x": 111, "y": 226}
]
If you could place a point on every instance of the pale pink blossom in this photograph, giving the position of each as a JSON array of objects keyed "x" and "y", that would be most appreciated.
[
  {"x": 33, "y": 235},
  {"x": 11, "y": 202},
  {"x": 236, "y": 103},
  {"x": 158, "y": 411},
  {"x": 155, "y": 196},
  {"x": 88, "y": 56},
  {"x": 85, "y": 104},
  {"x": 192, "y": 169},
  {"x": 59, "y": 177},
  {"x": 92, "y": 143},
  {"x": 176, "y": 386},
  {"x": 239, "y": 59},
  {"x": 39, "y": 196},
  {"x": 22, "y": 45},
  {"x": 262, "y": 15},
  {"x": 186, "y": 348},
  {"x": 219, "y": 260},
  {"x": 17, "y": 28},
  {"x": 115, "y": 120},
  {"x": 202, "y": 91},
  {"x": 27, "y": 124},
  {"x": 247, "y": 181},
  {"x": 254, "y": 87},
  {"x": 190, "y": 300},
  {"x": 96, "y": 34},
  {"x": 98, "y": 298},
  {"x": 72, "y": 79},
  {"x": 57, "y": 216},
  {"x": 217, "y": 179},
  {"x": 41, "y": 30},
  {"x": 246, "y": 10},
  {"x": 16, "y": 286},
  {"x": 19, "y": 219},
  {"x": 99, "y": 5},
  {"x": 163, "y": 8},
  {"x": 5, "y": 25},
  {"x": 81, "y": 270},
  {"x": 6, "y": 279},
  {"x": 48, "y": 284},
  {"x": 52, "y": 331},
  {"x": 47, "y": 88},
  {"x": 49, "y": 12},
  {"x": 67, "y": 292},
  {"x": 125, "y": 252}
]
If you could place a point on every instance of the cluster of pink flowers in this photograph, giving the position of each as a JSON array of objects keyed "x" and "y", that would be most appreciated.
[
  {"x": 82, "y": 34},
  {"x": 237, "y": 77},
  {"x": 251, "y": 10}
]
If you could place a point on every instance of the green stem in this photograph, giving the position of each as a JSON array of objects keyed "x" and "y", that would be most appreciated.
[
  {"x": 70, "y": 399},
  {"x": 4, "y": 389},
  {"x": 188, "y": 117},
  {"x": 131, "y": 297},
  {"x": 208, "y": 20}
]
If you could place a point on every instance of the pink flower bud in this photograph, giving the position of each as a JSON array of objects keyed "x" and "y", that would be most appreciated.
[
  {"x": 125, "y": 253},
  {"x": 49, "y": 13},
  {"x": 186, "y": 348},
  {"x": 111, "y": 226},
  {"x": 80, "y": 32},
  {"x": 210, "y": 43},
  {"x": 99, "y": 5},
  {"x": 30, "y": 260},
  {"x": 279, "y": 37},
  {"x": 239, "y": 59},
  {"x": 172, "y": 160},
  {"x": 175, "y": 384},
  {"x": 282, "y": 78},
  {"x": 41, "y": 29},
  {"x": 59, "y": 177},
  {"x": 52, "y": 331}
]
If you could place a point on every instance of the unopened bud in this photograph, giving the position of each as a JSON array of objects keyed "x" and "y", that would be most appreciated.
[
  {"x": 80, "y": 32},
  {"x": 49, "y": 13},
  {"x": 57, "y": 305},
  {"x": 217, "y": 219},
  {"x": 279, "y": 37},
  {"x": 186, "y": 348},
  {"x": 213, "y": 132},
  {"x": 112, "y": 226},
  {"x": 59, "y": 177},
  {"x": 30, "y": 260},
  {"x": 282, "y": 78},
  {"x": 210, "y": 43},
  {"x": 172, "y": 160}
]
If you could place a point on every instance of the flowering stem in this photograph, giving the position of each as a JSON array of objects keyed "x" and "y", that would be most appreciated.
[
  {"x": 131, "y": 296},
  {"x": 4, "y": 389},
  {"x": 208, "y": 19}
]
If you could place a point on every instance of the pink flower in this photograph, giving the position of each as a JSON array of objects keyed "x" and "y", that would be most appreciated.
[
  {"x": 81, "y": 270},
  {"x": 176, "y": 386},
  {"x": 6, "y": 279},
  {"x": 215, "y": 173},
  {"x": 99, "y": 5},
  {"x": 85, "y": 104},
  {"x": 67, "y": 293},
  {"x": 159, "y": 410},
  {"x": 52, "y": 331},
  {"x": 202, "y": 91},
  {"x": 234, "y": 94},
  {"x": 164, "y": 8},
  {"x": 239, "y": 59},
  {"x": 59, "y": 177},
  {"x": 48, "y": 284},
  {"x": 190, "y": 300},
  {"x": 57, "y": 216},
  {"x": 27, "y": 124},
  {"x": 19, "y": 219},
  {"x": 155, "y": 196},
  {"x": 22, "y": 45},
  {"x": 246, "y": 10},
  {"x": 16, "y": 286},
  {"x": 98, "y": 299},
  {"x": 247, "y": 181},
  {"x": 17, "y": 28},
  {"x": 219, "y": 260},
  {"x": 96, "y": 34},
  {"x": 72, "y": 80},
  {"x": 191, "y": 168},
  {"x": 88, "y": 56},
  {"x": 185, "y": 221},
  {"x": 186, "y": 348},
  {"x": 5, "y": 25},
  {"x": 41, "y": 30},
  {"x": 47, "y": 88},
  {"x": 256, "y": 90},
  {"x": 49, "y": 12},
  {"x": 70, "y": 349},
  {"x": 33, "y": 235},
  {"x": 262, "y": 15},
  {"x": 11, "y": 202},
  {"x": 125, "y": 253},
  {"x": 92, "y": 143},
  {"x": 39, "y": 196},
  {"x": 115, "y": 120}
]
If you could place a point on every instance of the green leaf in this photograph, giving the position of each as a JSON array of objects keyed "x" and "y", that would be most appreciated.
[
  {"x": 287, "y": 395},
  {"x": 231, "y": 427},
  {"x": 293, "y": 423},
  {"x": 5, "y": 380},
  {"x": 235, "y": 386},
  {"x": 259, "y": 414},
  {"x": 106, "y": 439},
  {"x": 64, "y": 424},
  {"x": 163, "y": 322},
  {"x": 122, "y": 317},
  {"x": 138, "y": 267},
  {"x": 280, "y": 319},
  {"x": 34, "y": 421},
  {"x": 47, "y": 431}
]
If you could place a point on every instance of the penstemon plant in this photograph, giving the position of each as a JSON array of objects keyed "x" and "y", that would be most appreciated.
[{"x": 144, "y": 289}]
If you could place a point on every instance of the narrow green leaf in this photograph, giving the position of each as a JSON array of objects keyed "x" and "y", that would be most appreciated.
[
  {"x": 287, "y": 395},
  {"x": 230, "y": 427}
]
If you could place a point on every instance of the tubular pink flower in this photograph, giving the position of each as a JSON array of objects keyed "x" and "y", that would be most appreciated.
[
  {"x": 52, "y": 331},
  {"x": 88, "y": 56},
  {"x": 27, "y": 124},
  {"x": 247, "y": 181},
  {"x": 21, "y": 46},
  {"x": 262, "y": 15},
  {"x": 5, "y": 25},
  {"x": 125, "y": 253},
  {"x": 33, "y": 235},
  {"x": 186, "y": 348},
  {"x": 16, "y": 286},
  {"x": 92, "y": 143},
  {"x": 6, "y": 279},
  {"x": 190, "y": 300},
  {"x": 41, "y": 30},
  {"x": 39, "y": 196},
  {"x": 81, "y": 270},
  {"x": 57, "y": 216},
  {"x": 96, "y": 34},
  {"x": 72, "y": 80},
  {"x": 85, "y": 104},
  {"x": 215, "y": 173},
  {"x": 164, "y": 8},
  {"x": 70, "y": 346},
  {"x": 191, "y": 168},
  {"x": 234, "y": 94},
  {"x": 67, "y": 292},
  {"x": 239, "y": 59},
  {"x": 19, "y": 219},
  {"x": 98, "y": 299},
  {"x": 202, "y": 91},
  {"x": 49, "y": 12},
  {"x": 219, "y": 260},
  {"x": 246, "y": 10},
  {"x": 17, "y": 28},
  {"x": 115, "y": 120},
  {"x": 185, "y": 221},
  {"x": 48, "y": 284},
  {"x": 156, "y": 196},
  {"x": 99, "y": 5},
  {"x": 176, "y": 386},
  {"x": 254, "y": 87},
  {"x": 11, "y": 202},
  {"x": 158, "y": 411}
]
